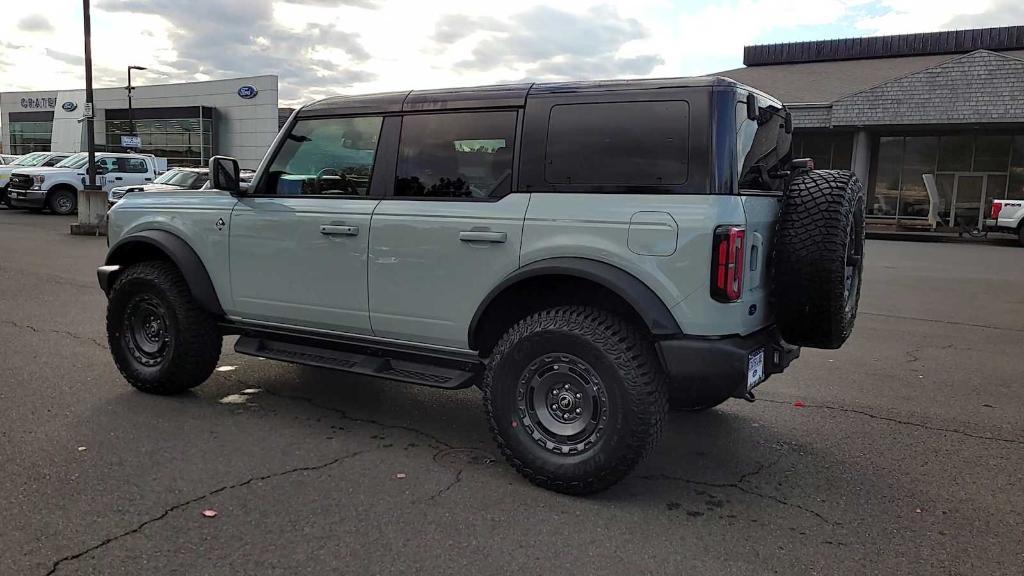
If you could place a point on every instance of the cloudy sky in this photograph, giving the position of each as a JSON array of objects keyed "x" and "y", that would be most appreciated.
[{"x": 322, "y": 47}]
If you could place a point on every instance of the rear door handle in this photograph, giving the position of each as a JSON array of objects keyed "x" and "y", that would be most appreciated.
[
  {"x": 118, "y": 178},
  {"x": 339, "y": 230},
  {"x": 482, "y": 236}
]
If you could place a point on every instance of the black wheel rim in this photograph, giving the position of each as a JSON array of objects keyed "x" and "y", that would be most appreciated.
[
  {"x": 146, "y": 331},
  {"x": 64, "y": 203},
  {"x": 562, "y": 403}
]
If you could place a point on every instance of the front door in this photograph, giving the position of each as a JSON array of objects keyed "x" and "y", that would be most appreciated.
[
  {"x": 298, "y": 244},
  {"x": 968, "y": 199},
  {"x": 451, "y": 228}
]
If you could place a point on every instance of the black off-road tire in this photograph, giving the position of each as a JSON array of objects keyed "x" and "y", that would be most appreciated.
[
  {"x": 818, "y": 258},
  {"x": 617, "y": 365},
  {"x": 188, "y": 348},
  {"x": 63, "y": 201},
  {"x": 1020, "y": 234}
]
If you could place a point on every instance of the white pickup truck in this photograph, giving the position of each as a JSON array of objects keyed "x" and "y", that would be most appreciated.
[
  {"x": 57, "y": 188},
  {"x": 1007, "y": 216}
]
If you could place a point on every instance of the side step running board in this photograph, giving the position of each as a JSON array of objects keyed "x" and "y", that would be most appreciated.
[{"x": 393, "y": 369}]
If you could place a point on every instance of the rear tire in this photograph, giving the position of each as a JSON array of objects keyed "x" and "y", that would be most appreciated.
[
  {"x": 160, "y": 338},
  {"x": 818, "y": 259},
  {"x": 575, "y": 397},
  {"x": 62, "y": 202}
]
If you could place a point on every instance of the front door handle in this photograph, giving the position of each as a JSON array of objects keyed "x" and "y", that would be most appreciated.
[
  {"x": 339, "y": 230},
  {"x": 118, "y": 178},
  {"x": 482, "y": 236}
]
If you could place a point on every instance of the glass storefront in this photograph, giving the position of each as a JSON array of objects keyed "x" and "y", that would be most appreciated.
[
  {"x": 829, "y": 150},
  {"x": 183, "y": 141},
  {"x": 970, "y": 169},
  {"x": 30, "y": 137}
]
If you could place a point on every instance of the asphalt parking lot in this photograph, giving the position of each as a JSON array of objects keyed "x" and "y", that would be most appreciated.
[{"x": 902, "y": 453}]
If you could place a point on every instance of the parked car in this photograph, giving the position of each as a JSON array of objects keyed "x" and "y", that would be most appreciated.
[
  {"x": 587, "y": 253},
  {"x": 173, "y": 179},
  {"x": 1007, "y": 216},
  {"x": 57, "y": 188},
  {"x": 30, "y": 160}
]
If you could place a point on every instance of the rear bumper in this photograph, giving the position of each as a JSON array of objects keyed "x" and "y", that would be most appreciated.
[
  {"x": 722, "y": 363},
  {"x": 27, "y": 198}
]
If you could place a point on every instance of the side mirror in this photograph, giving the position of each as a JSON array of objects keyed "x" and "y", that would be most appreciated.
[
  {"x": 752, "y": 111},
  {"x": 225, "y": 174}
]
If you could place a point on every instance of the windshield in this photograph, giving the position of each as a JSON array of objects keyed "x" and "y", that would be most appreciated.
[
  {"x": 32, "y": 159},
  {"x": 76, "y": 161},
  {"x": 183, "y": 178}
]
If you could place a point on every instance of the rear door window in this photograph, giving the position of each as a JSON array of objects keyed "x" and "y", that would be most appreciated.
[
  {"x": 618, "y": 143},
  {"x": 456, "y": 155}
]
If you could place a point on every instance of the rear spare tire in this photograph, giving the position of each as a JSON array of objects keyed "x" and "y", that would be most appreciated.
[{"x": 818, "y": 258}]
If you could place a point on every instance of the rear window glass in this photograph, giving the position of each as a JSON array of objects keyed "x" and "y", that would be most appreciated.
[{"x": 624, "y": 143}]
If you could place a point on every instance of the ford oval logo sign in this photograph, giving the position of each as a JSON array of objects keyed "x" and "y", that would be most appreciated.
[
  {"x": 69, "y": 106},
  {"x": 248, "y": 91}
]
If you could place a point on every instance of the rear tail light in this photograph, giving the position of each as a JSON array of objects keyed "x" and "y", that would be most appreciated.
[
  {"x": 997, "y": 207},
  {"x": 727, "y": 264}
]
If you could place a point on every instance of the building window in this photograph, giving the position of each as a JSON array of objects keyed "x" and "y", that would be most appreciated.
[
  {"x": 829, "y": 150},
  {"x": 30, "y": 137},
  {"x": 902, "y": 161},
  {"x": 183, "y": 141}
]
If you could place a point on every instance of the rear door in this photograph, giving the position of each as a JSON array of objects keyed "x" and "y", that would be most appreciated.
[
  {"x": 450, "y": 228},
  {"x": 136, "y": 171},
  {"x": 298, "y": 245}
]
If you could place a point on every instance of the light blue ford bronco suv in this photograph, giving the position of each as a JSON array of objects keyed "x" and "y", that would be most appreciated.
[{"x": 588, "y": 254}]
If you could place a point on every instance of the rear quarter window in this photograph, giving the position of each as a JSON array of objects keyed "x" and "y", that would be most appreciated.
[{"x": 618, "y": 143}]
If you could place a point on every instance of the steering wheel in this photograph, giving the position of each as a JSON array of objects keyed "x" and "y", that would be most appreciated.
[{"x": 320, "y": 175}]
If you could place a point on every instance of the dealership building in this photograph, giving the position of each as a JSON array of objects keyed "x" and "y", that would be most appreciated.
[
  {"x": 897, "y": 108},
  {"x": 185, "y": 123}
]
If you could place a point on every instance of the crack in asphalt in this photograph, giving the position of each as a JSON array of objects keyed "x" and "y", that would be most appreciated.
[
  {"x": 449, "y": 486},
  {"x": 738, "y": 485},
  {"x": 951, "y": 322},
  {"x": 902, "y": 422},
  {"x": 138, "y": 528},
  {"x": 345, "y": 415},
  {"x": 55, "y": 331}
]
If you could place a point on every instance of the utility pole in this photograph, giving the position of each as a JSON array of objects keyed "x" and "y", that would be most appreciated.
[
  {"x": 90, "y": 130},
  {"x": 92, "y": 203}
]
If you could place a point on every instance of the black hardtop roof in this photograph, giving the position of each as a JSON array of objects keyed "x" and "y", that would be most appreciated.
[{"x": 496, "y": 96}]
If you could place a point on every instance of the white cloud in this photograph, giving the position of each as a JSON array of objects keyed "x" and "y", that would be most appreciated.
[
  {"x": 320, "y": 47},
  {"x": 911, "y": 16}
]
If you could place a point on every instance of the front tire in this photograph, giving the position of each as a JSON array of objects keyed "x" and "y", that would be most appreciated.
[
  {"x": 160, "y": 338},
  {"x": 575, "y": 397},
  {"x": 62, "y": 202}
]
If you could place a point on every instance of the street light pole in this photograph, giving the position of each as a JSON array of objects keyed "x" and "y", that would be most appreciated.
[{"x": 131, "y": 117}]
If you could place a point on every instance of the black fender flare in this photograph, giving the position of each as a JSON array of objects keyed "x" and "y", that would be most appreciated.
[
  {"x": 644, "y": 301},
  {"x": 183, "y": 256}
]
